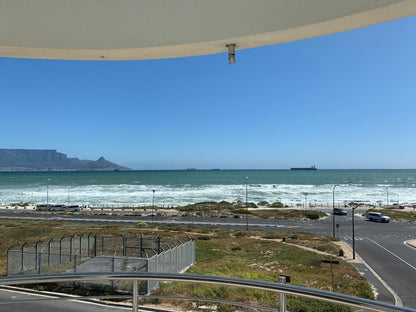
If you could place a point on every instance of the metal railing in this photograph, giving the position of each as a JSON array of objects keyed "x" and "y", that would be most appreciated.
[{"x": 280, "y": 288}]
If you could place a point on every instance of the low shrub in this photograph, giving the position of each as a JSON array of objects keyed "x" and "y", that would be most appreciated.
[
  {"x": 313, "y": 216},
  {"x": 277, "y": 204}
]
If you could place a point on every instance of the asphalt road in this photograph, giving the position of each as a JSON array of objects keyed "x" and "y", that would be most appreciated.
[
  {"x": 11, "y": 301},
  {"x": 381, "y": 246}
]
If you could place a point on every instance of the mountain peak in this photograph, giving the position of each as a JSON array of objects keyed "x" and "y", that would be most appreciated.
[{"x": 46, "y": 160}]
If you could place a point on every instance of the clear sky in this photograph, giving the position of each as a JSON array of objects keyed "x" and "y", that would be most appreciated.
[{"x": 341, "y": 101}]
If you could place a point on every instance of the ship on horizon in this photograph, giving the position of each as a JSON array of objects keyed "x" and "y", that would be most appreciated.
[{"x": 304, "y": 168}]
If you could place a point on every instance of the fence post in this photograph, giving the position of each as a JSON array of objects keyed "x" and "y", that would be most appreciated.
[
  {"x": 189, "y": 252},
  {"x": 158, "y": 244},
  {"x": 177, "y": 257},
  {"x": 95, "y": 246},
  {"x": 141, "y": 245},
  {"x": 124, "y": 244},
  {"x": 282, "y": 295},
  {"x": 147, "y": 270},
  {"x": 23, "y": 257},
  {"x": 7, "y": 267},
  {"x": 157, "y": 263},
  {"x": 36, "y": 254},
  {"x": 70, "y": 247},
  {"x": 193, "y": 252},
  {"x": 170, "y": 258},
  {"x": 102, "y": 244},
  {"x": 89, "y": 245},
  {"x": 75, "y": 263},
  {"x": 164, "y": 270},
  {"x": 49, "y": 251},
  {"x": 60, "y": 249},
  {"x": 80, "y": 244},
  {"x": 180, "y": 258},
  {"x": 40, "y": 262},
  {"x": 112, "y": 270}
]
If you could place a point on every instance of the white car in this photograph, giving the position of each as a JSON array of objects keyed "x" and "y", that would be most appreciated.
[{"x": 377, "y": 217}]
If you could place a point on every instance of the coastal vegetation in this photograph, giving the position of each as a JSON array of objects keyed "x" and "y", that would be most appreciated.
[
  {"x": 236, "y": 209},
  {"x": 258, "y": 255}
]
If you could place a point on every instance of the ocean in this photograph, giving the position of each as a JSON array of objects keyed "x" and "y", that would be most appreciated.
[{"x": 180, "y": 187}]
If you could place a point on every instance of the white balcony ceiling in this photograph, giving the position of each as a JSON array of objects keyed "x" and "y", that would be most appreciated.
[{"x": 151, "y": 29}]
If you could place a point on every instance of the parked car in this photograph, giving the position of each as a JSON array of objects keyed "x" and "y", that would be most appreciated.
[
  {"x": 340, "y": 212},
  {"x": 43, "y": 207},
  {"x": 377, "y": 217},
  {"x": 72, "y": 208}
]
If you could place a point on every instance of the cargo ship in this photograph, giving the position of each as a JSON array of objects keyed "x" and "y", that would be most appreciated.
[{"x": 306, "y": 168}]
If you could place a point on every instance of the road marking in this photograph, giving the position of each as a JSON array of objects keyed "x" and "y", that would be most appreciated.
[
  {"x": 356, "y": 238},
  {"x": 393, "y": 254}
]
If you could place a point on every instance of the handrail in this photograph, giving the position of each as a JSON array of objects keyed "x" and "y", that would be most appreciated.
[{"x": 209, "y": 279}]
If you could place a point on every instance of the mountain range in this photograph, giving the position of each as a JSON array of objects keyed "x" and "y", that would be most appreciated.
[{"x": 50, "y": 160}]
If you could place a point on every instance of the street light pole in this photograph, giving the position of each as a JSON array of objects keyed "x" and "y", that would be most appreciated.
[
  {"x": 47, "y": 202},
  {"x": 47, "y": 199},
  {"x": 153, "y": 204},
  {"x": 246, "y": 203},
  {"x": 353, "y": 232},
  {"x": 387, "y": 189},
  {"x": 333, "y": 210}
]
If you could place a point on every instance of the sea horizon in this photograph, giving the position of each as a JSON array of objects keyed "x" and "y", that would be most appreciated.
[{"x": 201, "y": 169}]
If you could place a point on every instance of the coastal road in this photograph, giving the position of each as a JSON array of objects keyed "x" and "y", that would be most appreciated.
[
  {"x": 381, "y": 246},
  {"x": 11, "y": 301}
]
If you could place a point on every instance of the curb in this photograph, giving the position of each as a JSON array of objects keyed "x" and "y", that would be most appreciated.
[{"x": 411, "y": 243}]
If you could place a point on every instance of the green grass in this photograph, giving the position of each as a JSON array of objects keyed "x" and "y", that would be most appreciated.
[
  {"x": 226, "y": 209},
  {"x": 262, "y": 259}
]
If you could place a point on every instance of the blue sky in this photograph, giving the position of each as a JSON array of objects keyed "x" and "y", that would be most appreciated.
[{"x": 341, "y": 101}]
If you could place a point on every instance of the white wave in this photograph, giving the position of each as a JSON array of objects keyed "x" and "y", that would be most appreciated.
[{"x": 173, "y": 195}]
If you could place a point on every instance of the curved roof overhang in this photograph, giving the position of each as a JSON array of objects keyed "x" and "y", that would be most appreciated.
[{"x": 152, "y": 29}]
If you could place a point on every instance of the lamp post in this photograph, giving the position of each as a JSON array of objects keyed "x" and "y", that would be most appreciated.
[
  {"x": 353, "y": 231},
  {"x": 47, "y": 199},
  {"x": 153, "y": 204},
  {"x": 246, "y": 203},
  {"x": 333, "y": 210},
  {"x": 68, "y": 194},
  {"x": 387, "y": 199}
]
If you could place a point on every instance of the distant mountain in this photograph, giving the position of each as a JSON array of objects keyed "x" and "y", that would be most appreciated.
[{"x": 50, "y": 160}]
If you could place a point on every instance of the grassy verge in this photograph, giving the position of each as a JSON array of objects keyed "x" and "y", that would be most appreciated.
[
  {"x": 263, "y": 256},
  {"x": 235, "y": 253},
  {"x": 237, "y": 210}
]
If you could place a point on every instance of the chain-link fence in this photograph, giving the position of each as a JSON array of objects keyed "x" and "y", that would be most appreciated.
[
  {"x": 87, "y": 253},
  {"x": 31, "y": 259},
  {"x": 174, "y": 260}
]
